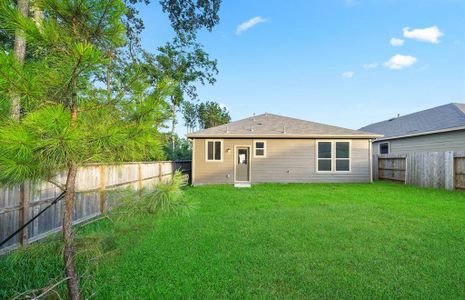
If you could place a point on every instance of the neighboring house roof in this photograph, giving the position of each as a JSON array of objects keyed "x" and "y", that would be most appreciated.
[
  {"x": 443, "y": 118},
  {"x": 275, "y": 126}
]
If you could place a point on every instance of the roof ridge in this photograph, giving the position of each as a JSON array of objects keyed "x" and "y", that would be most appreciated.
[
  {"x": 410, "y": 114},
  {"x": 268, "y": 124},
  {"x": 312, "y": 122}
]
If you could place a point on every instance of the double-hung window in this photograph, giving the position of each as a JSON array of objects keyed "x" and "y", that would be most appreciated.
[
  {"x": 260, "y": 148},
  {"x": 325, "y": 156},
  {"x": 333, "y": 156},
  {"x": 384, "y": 148},
  {"x": 342, "y": 156},
  {"x": 214, "y": 150}
]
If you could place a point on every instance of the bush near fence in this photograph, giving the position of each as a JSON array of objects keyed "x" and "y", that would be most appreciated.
[
  {"x": 443, "y": 170},
  {"x": 92, "y": 184}
]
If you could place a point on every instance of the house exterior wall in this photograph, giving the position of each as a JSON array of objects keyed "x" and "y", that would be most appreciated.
[
  {"x": 439, "y": 142},
  {"x": 286, "y": 161}
]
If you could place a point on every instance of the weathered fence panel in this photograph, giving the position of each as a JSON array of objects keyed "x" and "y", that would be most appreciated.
[
  {"x": 392, "y": 167},
  {"x": 442, "y": 170},
  {"x": 93, "y": 182},
  {"x": 459, "y": 169}
]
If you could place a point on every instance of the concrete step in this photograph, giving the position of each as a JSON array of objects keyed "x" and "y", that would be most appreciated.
[{"x": 242, "y": 185}]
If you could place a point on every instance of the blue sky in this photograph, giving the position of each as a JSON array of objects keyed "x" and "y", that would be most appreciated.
[{"x": 341, "y": 62}]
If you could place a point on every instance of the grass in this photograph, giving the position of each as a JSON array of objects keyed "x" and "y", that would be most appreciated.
[{"x": 277, "y": 241}]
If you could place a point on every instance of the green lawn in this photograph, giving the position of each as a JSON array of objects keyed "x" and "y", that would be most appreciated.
[{"x": 280, "y": 241}]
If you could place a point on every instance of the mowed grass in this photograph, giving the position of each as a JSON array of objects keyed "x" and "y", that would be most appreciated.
[{"x": 316, "y": 241}]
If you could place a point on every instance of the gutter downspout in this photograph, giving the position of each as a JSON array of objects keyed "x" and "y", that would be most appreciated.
[{"x": 370, "y": 154}]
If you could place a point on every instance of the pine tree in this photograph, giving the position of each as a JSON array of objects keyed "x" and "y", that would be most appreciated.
[
  {"x": 71, "y": 113},
  {"x": 212, "y": 114},
  {"x": 68, "y": 120}
]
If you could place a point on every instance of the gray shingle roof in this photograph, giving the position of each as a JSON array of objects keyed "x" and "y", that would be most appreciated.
[
  {"x": 443, "y": 117},
  {"x": 271, "y": 125}
]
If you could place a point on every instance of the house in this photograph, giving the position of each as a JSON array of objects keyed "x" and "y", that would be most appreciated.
[
  {"x": 437, "y": 129},
  {"x": 273, "y": 148}
]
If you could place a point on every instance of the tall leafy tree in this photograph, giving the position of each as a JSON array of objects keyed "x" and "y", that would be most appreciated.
[
  {"x": 183, "y": 150},
  {"x": 186, "y": 64},
  {"x": 189, "y": 112},
  {"x": 188, "y": 16}
]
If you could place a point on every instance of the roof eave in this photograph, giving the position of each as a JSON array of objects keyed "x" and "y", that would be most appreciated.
[
  {"x": 284, "y": 135},
  {"x": 420, "y": 133}
]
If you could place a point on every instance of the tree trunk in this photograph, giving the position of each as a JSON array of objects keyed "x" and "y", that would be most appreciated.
[
  {"x": 68, "y": 235},
  {"x": 37, "y": 14},
  {"x": 19, "y": 51}
]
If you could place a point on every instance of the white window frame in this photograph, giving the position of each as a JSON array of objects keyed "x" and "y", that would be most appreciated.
[
  {"x": 317, "y": 158},
  {"x": 255, "y": 149},
  {"x": 206, "y": 151},
  {"x": 389, "y": 147},
  {"x": 333, "y": 156}
]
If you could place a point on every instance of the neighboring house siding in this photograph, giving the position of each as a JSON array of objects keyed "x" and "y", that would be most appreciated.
[
  {"x": 287, "y": 160},
  {"x": 440, "y": 142}
]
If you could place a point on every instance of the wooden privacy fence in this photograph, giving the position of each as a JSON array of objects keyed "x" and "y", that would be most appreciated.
[
  {"x": 443, "y": 170},
  {"x": 92, "y": 197}
]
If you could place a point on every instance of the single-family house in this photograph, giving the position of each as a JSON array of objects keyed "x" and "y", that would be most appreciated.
[
  {"x": 273, "y": 148},
  {"x": 436, "y": 129}
]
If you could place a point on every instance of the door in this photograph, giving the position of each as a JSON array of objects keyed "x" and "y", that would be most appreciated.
[{"x": 242, "y": 164}]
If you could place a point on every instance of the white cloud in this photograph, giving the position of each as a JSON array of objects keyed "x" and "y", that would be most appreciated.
[
  {"x": 430, "y": 34},
  {"x": 397, "y": 42},
  {"x": 249, "y": 24},
  {"x": 400, "y": 61},
  {"x": 347, "y": 74},
  {"x": 370, "y": 66}
]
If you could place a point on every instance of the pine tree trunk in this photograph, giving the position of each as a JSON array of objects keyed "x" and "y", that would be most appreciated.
[
  {"x": 68, "y": 235},
  {"x": 19, "y": 51},
  {"x": 37, "y": 14}
]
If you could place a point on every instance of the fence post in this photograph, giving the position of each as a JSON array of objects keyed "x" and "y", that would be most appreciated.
[
  {"x": 102, "y": 189},
  {"x": 449, "y": 170},
  {"x": 139, "y": 179},
  {"x": 407, "y": 171},
  {"x": 160, "y": 171},
  {"x": 24, "y": 204},
  {"x": 375, "y": 166}
]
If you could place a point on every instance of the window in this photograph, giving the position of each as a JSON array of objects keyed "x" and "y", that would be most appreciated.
[
  {"x": 214, "y": 150},
  {"x": 333, "y": 156},
  {"x": 342, "y": 156},
  {"x": 324, "y": 156},
  {"x": 384, "y": 148},
  {"x": 260, "y": 149}
]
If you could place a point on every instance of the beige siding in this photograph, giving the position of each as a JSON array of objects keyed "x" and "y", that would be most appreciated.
[
  {"x": 287, "y": 160},
  {"x": 440, "y": 142}
]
